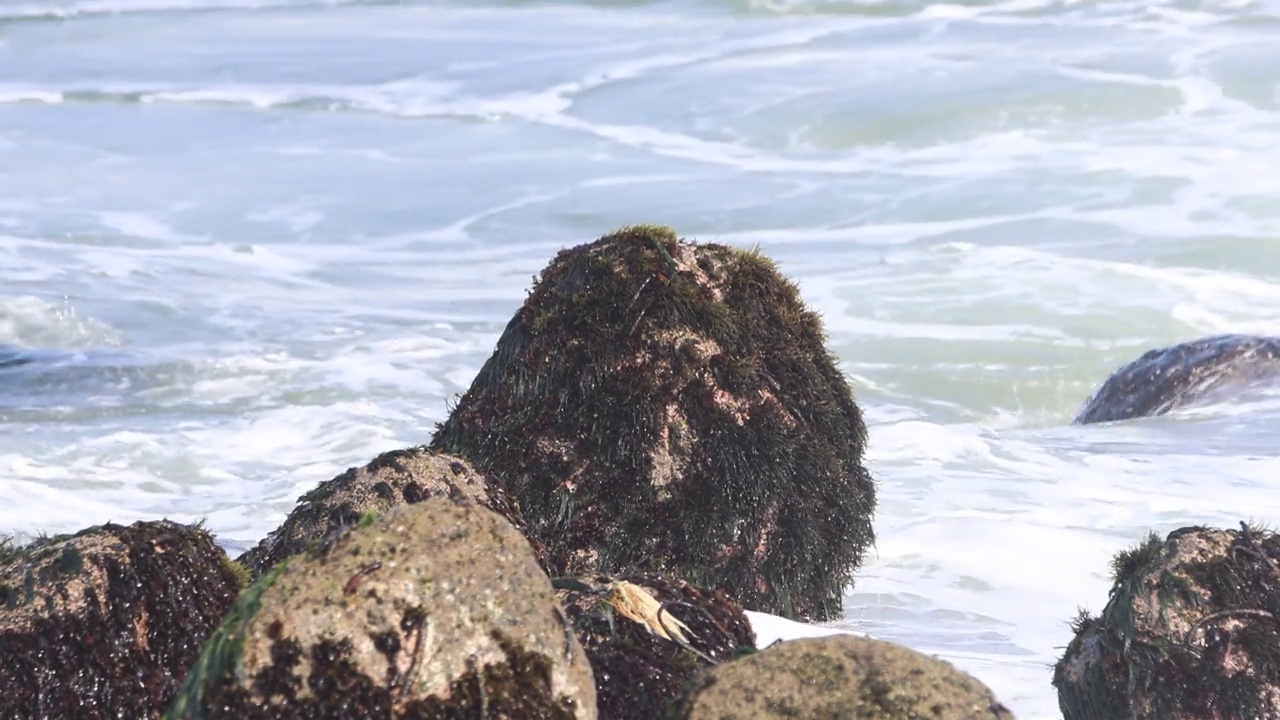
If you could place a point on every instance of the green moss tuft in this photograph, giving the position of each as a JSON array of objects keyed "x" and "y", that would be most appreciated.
[{"x": 1128, "y": 563}]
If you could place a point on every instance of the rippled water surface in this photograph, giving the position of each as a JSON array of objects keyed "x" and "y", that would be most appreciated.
[{"x": 250, "y": 243}]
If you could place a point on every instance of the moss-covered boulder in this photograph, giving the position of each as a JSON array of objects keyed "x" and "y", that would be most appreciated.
[
  {"x": 658, "y": 405},
  {"x": 433, "y": 610},
  {"x": 839, "y": 677},
  {"x": 105, "y": 623},
  {"x": 399, "y": 477},
  {"x": 647, "y": 636},
  {"x": 1189, "y": 632},
  {"x": 1169, "y": 378}
]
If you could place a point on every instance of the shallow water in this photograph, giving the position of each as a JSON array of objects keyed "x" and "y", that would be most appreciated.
[{"x": 263, "y": 240}]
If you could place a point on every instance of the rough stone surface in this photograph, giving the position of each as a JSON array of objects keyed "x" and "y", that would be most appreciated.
[
  {"x": 639, "y": 674},
  {"x": 840, "y": 677},
  {"x": 1188, "y": 634},
  {"x": 663, "y": 406},
  {"x": 1168, "y": 378},
  {"x": 434, "y": 610},
  {"x": 399, "y": 477},
  {"x": 105, "y": 623}
]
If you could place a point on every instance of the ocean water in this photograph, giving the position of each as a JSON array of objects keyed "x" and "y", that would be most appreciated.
[{"x": 251, "y": 243}]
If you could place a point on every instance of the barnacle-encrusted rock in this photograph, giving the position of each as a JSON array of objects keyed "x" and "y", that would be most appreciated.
[
  {"x": 1168, "y": 378},
  {"x": 663, "y": 406},
  {"x": 105, "y": 623},
  {"x": 433, "y": 610},
  {"x": 840, "y": 676},
  {"x": 647, "y": 636},
  {"x": 399, "y": 477},
  {"x": 1188, "y": 634}
]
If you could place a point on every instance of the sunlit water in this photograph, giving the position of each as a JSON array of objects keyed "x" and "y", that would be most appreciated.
[{"x": 256, "y": 242}]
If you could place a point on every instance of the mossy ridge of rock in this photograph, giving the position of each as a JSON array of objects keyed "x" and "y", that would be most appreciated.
[
  {"x": 432, "y": 610},
  {"x": 398, "y": 477},
  {"x": 639, "y": 675},
  {"x": 1188, "y": 633},
  {"x": 106, "y": 622},
  {"x": 663, "y": 406},
  {"x": 840, "y": 677},
  {"x": 1169, "y": 378}
]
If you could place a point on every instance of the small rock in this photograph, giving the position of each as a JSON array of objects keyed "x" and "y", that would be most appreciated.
[
  {"x": 839, "y": 677},
  {"x": 1189, "y": 632},
  {"x": 663, "y": 406},
  {"x": 434, "y": 610},
  {"x": 1169, "y": 378},
  {"x": 106, "y": 622},
  {"x": 641, "y": 666},
  {"x": 399, "y": 477}
]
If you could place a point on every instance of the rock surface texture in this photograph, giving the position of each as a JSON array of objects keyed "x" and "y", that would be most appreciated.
[
  {"x": 434, "y": 610},
  {"x": 663, "y": 406},
  {"x": 643, "y": 660},
  {"x": 106, "y": 622},
  {"x": 399, "y": 477},
  {"x": 1188, "y": 634},
  {"x": 840, "y": 677},
  {"x": 1169, "y": 378}
]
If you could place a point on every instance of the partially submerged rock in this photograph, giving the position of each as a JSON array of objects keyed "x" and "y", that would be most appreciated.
[
  {"x": 1188, "y": 634},
  {"x": 399, "y": 477},
  {"x": 435, "y": 610},
  {"x": 1169, "y": 378},
  {"x": 840, "y": 676},
  {"x": 663, "y": 406},
  {"x": 647, "y": 636},
  {"x": 105, "y": 623}
]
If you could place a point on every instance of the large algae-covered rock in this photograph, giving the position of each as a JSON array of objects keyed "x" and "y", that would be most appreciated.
[
  {"x": 663, "y": 406},
  {"x": 433, "y": 610},
  {"x": 398, "y": 477},
  {"x": 1188, "y": 634},
  {"x": 105, "y": 623},
  {"x": 1169, "y": 378},
  {"x": 647, "y": 636},
  {"x": 840, "y": 677}
]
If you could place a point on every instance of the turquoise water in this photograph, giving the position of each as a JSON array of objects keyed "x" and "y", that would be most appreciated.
[{"x": 259, "y": 242}]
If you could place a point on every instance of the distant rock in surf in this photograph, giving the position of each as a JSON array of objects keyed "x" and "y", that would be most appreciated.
[
  {"x": 841, "y": 676},
  {"x": 648, "y": 636},
  {"x": 1189, "y": 632},
  {"x": 658, "y": 405},
  {"x": 399, "y": 477},
  {"x": 431, "y": 610},
  {"x": 1165, "y": 379},
  {"x": 106, "y": 622}
]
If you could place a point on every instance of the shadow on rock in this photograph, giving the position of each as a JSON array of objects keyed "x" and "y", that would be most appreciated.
[
  {"x": 106, "y": 622},
  {"x": 663, "y": 406},
  {"x": 1189, "y": 632},
  {"x": 431, "y": 611},
  {"x": 1192, "y": 372},
  {"x": 647, "y": 636},
  {"x": 399, "y": 477}
]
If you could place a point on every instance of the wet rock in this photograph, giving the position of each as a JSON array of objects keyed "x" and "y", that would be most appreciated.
[
  {"x": 644, "y": 652},
  {"x": 664, "y": 406},
  {"x": 105, "y": 623},
  {"x": 433, "y": 610},
  {"x": 399, "y": 477},
  {"x": 1189, "y": 632},
  {"x": 840, "y": 676},
  {"x": 1169, "y": 378}
]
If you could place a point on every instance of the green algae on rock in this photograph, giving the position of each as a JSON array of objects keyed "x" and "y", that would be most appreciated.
[
  {"x": 663, "y": 406},
  {"x": 839, "y": 677},
  {"x": 106, "y": 622},
  {"x": 432, "y": 610},
  {"x": 398, "y": 477},
  {"x": 1168, "y": 378},
  {"x": 639, "y": 673},
  {"x": 1189, "y": 632}
]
